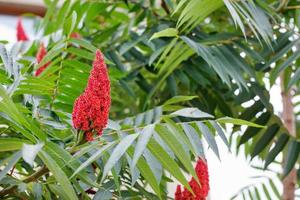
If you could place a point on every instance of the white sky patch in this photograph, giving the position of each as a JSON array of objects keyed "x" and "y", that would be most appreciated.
[{"x": 29, "y": 152}]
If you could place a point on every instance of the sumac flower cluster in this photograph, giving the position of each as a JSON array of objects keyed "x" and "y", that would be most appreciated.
[
  {"x": 91, "y": 108},
  {"x": 200, "y": 191}
]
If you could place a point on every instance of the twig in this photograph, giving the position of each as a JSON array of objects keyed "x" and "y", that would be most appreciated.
[
  {"x": 282, "y": 5},
  {"x": 36, "y": 175},
  {"x": 29, "y": 179},
  {"x": 12, "y": 170},
  {"x": 165, "y": 7},
  {"x": 292, "y": 7}
]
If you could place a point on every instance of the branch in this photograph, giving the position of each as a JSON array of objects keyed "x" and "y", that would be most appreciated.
[
  {"x": 282, "y": 5},
  {"x": 31, "y": 178},
  {"x": 36, "y": 175},
  {"x": 292, "y": 7},
  {"x": 165, "y": 7}
]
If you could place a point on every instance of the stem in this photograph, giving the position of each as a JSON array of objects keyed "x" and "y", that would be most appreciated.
[
  {"x": 31, "y": 178},
  {"x": 165, "y": 7},
  {"x": 282, "y": 5},
  {"x": 36, "y": 175},
  {"x": 55, "y": 91},
  {"x": 292, "y": 7},
  {"x": 288, "y": 118}
]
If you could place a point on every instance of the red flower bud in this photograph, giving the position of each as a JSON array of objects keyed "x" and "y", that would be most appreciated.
[
  {"x": 200, "y": 191},
  {"x": 75, "y": 35},
  {"x": 178, "y": 193},
  {"x": 21, "y": 35},
  {"x": 39, "y": 57}
]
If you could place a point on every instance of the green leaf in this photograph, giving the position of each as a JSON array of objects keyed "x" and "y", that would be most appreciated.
[
  {"x": 113, "y": 125},
  {"x": 178, "y": 53},
  {"x": 70, "y": 23},
  {"x": 131, "y": 44},
  {"x": 294, "y": 79},
  {"x": 284, "y": 65},
  {"x": 81, "y": 53},
  {"x": 141, "y": 144},
  {"x": 291, "y": 157},
  {"x": 60, "y": 176},
  {"x": 167, "y": 51},
  {"x": 280, "y": 144},
  {"x": 55, "y": 51},
  {"x": 252, "y": 131},
  {"x": 6, "y": 59},
  {"x": 12, "y": 160},
  {"x": 220, "y": 132},
  {"x": 193, "y": 12},
  {"x": 265, "y": 139},
  {"x": 83, "y": 43},
  {"x": 177, "y": 99},
  {"x": 93, "y": 158},
  {"x": 177, "y": 148},
  {"x": 154, "y": 165},
  {"x": 274, "y": 188},
  {"x": 118, "y": 152},
  {"x": 64, "y": 158},
  {"x": 103, "y": 194},
  {"x": 167, "y": 162},
  {"x": 179, "y": 134},
  {"x": 85, "y": 149},
  {"x": 50, "y": 11},
  {"x": 220, "y": 58},
  {"x": 56, "y": 189},
  {"x": 194, "y": 139},
  {"x": 209, "y": 138},
  {"x": 169, "y": 32},
  {"x": 266, "y": 192},
  {"x": 146, "y": 172},
  {"x": 263, "y": 94},
  {"x": 234, "y": 121},
  {"x": 63, "y": 13},
  {"x": 8, "y": 107},
  {"x": 192, "y": 113},
  {"x": 257, "y": 193},
  {"x": 250, "y": 195},
  {"x": 279, "y": 55},
  {"x": 11, "y": 144},
  {"x": 37, "y": 191}
]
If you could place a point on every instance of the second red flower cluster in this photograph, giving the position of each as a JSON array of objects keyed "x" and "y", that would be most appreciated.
[{"x": 200, "y": 191}]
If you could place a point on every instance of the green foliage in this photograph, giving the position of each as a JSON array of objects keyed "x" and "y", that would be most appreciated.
[{"x": 265, "y": 189}]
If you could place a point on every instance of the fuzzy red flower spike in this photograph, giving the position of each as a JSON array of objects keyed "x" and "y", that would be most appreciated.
[
  {"x": 21, "y": 35},
  {"x": 75, "y": 35},
  {"x": 91, "y": 108},
  {"x": 200, "y": 191},
  {"x": 39, "y": 57}
]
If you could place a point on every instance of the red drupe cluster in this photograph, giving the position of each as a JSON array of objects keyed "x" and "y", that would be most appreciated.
[
  {"x": 21, "y": 35},
  {"x": 91, "y": 108},
  {"x": 39, "y": 57},
  {"x": 200, "y": 192},
  {"x": 75, "y": 35}
]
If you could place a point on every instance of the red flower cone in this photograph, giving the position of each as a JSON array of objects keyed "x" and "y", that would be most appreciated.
[
  {"x": 39, "y": 57},
  {"x": 178, "y": 193},
  {"x": 75, "y": 35},
  {"x": 200, "y": 191},
  {"x": 21, "y": 35},
  {"x": 91, "y": 108}
]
